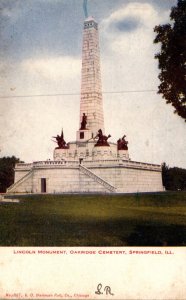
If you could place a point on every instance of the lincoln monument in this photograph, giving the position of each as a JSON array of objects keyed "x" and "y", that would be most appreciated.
[{"x": 91, "y": 163}]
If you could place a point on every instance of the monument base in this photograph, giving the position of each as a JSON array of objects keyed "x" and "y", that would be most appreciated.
[{"x": 105, "y": 176}]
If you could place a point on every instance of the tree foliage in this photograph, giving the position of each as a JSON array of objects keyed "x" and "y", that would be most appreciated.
[
  {"x": 172, "y": 58},
  {"x": 7, "y": 165},
  {"x": 174, "y": 179}
]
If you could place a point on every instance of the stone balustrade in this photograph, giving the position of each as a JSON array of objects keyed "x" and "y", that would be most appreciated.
[
  {"x": 89, "y": 163},
  {"x": 124, "y": 163},
  {"x": 46, "y": 164},
  {"x": 24, "y": 166}
]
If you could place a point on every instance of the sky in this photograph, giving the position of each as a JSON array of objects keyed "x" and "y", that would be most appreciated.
[{"x": 40, "y": 54}]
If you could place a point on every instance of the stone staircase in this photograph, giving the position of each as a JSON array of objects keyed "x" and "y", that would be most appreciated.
[
  {"x": 11, "y": 188},
  {"x": 98, "y": 179}
]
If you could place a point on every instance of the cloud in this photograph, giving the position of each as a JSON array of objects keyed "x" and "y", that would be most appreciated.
[
  {"x": 143, "y": 12},
  {"x": 40, "y": 75},
  {"x": 127, "y": 36},
  {"x": 133, "y": 22},
  {"x": 127, "y": 24},
  {"x": 36, "y": 119},
  {"x": 61, "y": 67}
]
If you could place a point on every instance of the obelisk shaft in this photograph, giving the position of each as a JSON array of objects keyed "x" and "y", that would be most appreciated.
[{"x": 91, "y": 91}]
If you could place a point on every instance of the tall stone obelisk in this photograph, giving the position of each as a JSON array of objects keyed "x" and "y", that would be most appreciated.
[{"x": 91, "y": 103}]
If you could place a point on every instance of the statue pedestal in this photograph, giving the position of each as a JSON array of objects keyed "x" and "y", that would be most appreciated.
[
  {"x": 60, "y": 154},
  {"x": 83, "y": 135},
  {"x": 123, "y": 154},
  {"x": 102, "y": 152}
]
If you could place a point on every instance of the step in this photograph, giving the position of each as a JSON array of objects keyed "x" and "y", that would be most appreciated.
[{"x": 97, "y": 178}]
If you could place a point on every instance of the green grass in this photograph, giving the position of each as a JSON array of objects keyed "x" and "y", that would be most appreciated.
[{"x": 95, "y": 220}]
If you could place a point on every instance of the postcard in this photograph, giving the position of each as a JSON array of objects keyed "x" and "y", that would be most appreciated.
[{"x": 92, "y": 149}]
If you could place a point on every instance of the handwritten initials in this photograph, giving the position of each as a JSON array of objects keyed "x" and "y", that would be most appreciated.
[{"x": 106, "y": 289}]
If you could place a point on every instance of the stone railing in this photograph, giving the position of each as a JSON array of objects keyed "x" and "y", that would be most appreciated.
[
  {"x": 47, "y": 164},
  {"x": 55, "y": 163},
  {"x": 121, "y": 162},
  {"x": 102, "y": 162},
  {"x": 89, "y": 163},
  {"x": 23, "y": 166},
  {"x": 98, "y": 179},
  {"x": 141, "y": 165}
]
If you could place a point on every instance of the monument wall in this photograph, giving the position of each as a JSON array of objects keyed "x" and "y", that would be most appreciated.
[{"x": 64, "y": 177}]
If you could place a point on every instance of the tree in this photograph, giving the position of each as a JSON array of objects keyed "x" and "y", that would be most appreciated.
[
  {"x": 7, "y": 165},
  {"x": 172, "y": 58},
  {"x": 173, "y": 178}
]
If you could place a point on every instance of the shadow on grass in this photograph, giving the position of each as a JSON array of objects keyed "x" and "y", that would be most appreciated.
[
  {"x": 59, "y": 232},
  {"x": 150, "y": 235}
]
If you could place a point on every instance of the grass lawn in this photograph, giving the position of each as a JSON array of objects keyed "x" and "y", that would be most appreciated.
[{"x": 95, "y": 220}]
